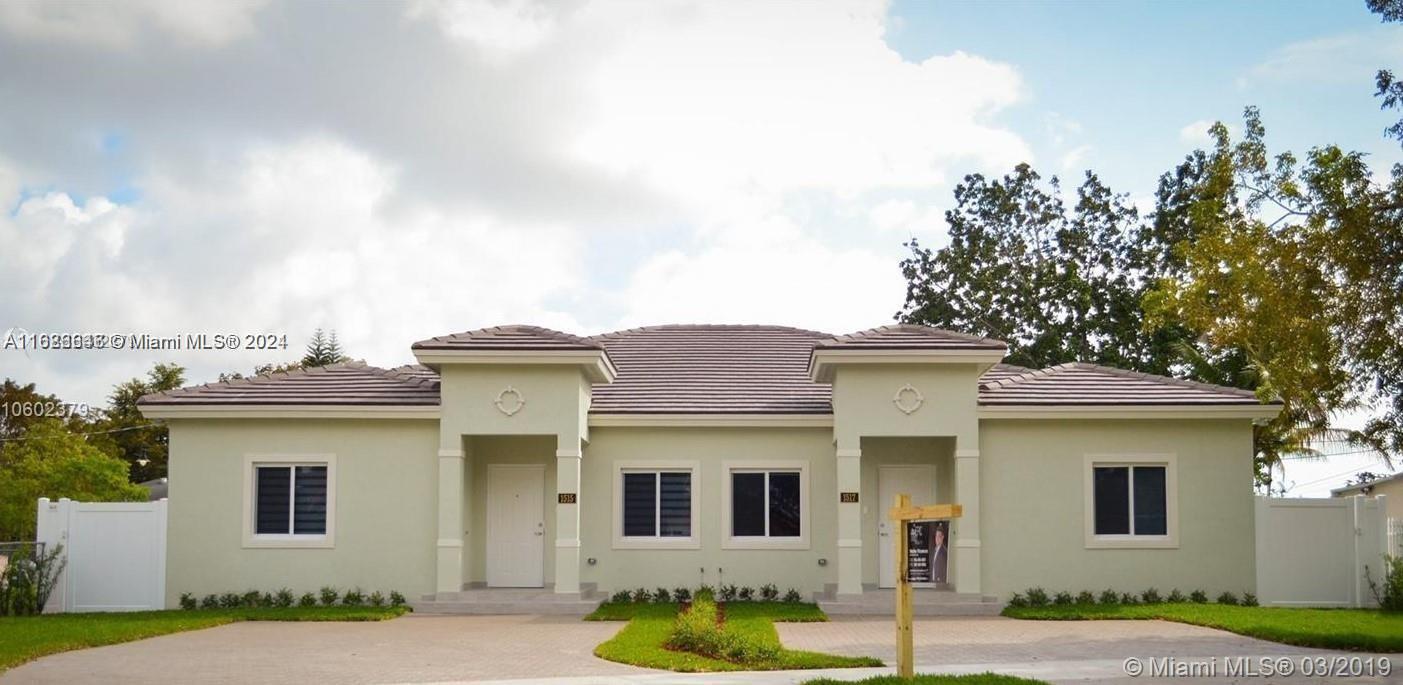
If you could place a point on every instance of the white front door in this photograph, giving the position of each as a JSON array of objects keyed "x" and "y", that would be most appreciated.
[
  {"x": 516, "y": 525},
  {"x": 916, "y": 480}
]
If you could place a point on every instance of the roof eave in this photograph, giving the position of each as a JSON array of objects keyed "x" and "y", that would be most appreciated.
[
  {"x": 823, "y": 361},
  {"x": 1202, "y": 410},
  {"x": 289, "y": 411},
  {"x": 595, "y": 363}
]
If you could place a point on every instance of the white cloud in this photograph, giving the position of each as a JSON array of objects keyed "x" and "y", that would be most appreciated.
[
  {"x": 906, "y": 216},
  {"x": 500, "y": 28},
  {"x": 119, "y": 25},
  {"x": 1073, "y": 161},
  {"x": 1196, "y": 132},
  {"x": 1344, "y": 58}
]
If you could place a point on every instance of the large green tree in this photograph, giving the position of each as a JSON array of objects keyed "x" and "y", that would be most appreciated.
[
  {"x": 125, "y": 433},
  {"x": 1298, "y": 266},
  {"x": 1390, "y": 87},
  {"x": 1059, "y": 283},
  {"x": 51, "y": 461}
]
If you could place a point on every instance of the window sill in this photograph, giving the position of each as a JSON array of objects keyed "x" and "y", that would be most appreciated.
[
  {"x": 656, "y": 543},
  {"x": 764, "y": 543},
  {"x": 289, "y": 542},
  {"x": 1132, "y": 542}
]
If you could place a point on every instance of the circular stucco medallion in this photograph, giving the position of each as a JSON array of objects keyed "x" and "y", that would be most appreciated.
[
  {"x": 908, "y": 399},
  {"x": 509, "y": 401}
]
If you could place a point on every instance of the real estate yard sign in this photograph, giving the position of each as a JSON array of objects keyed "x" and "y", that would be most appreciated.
[{"x": 904, "y": 514}]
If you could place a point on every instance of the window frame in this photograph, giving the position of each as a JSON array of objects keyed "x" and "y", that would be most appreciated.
[
  {"x": 621, "y": 541},
  {"x": 253, "y": 539},
  {"x": 1170, "y": 538},
  {"x": 729, "y": 541}
]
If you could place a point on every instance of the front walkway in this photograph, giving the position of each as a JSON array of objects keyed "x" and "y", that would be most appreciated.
[{"x": 558, "y": 650}]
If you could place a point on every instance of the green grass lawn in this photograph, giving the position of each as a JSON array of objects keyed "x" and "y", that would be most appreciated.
[
  {"x": 1352, "y": 629},
  {"x": 640, "y": 643},
  {"x": 976, "y": 679},
  {"x": 23, "y": 638}
]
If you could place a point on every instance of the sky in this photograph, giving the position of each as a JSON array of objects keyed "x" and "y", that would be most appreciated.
[{"x": 398, "y": 171}]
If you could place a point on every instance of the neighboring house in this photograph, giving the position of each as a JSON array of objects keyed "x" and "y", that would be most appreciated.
[
  {"x": 156, "y": 488},
  {"x": 1391, "y": 486},
  {"x": 519, "y": 456}
]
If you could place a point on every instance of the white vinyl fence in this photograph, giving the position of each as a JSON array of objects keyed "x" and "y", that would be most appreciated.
[
  {"x": 1316, "y": 552},
  {"x": 116, "y": 554},
  {"x": 1395, "y": 537}
]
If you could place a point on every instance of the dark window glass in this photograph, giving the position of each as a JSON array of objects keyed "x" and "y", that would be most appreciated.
[
  {"x": 784, "y": 505},
  {"x": 1111, "y": 485},
  {"x": 675, "y": 505},
  {"x": 309, "y": 501},
  {"x": 1150, "y": 518},
  {"x": 747, "y": 504},
  {"x": 272, "y": 498},
  {"x": 640, "y": 504}
]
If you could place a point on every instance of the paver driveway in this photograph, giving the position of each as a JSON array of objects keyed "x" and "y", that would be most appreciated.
[{"x": 408, "y": 649}]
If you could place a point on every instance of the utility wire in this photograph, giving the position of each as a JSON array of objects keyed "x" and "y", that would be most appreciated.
[{"x": 114, "y": 430}]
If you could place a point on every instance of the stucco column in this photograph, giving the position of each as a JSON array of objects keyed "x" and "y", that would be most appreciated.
[
  {"x": 450, "y": 520},
  {"x": 967, "y": 545},
  {"x": 567, "y": 516},
  {"x": 849, "y": 521}
]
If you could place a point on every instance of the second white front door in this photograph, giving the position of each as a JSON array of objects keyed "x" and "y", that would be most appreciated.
[
  {"x": 516, "y": 525},
  {"x": 916, "y": 480}
]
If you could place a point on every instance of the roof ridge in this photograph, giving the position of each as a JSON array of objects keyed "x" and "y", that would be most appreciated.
[
  {"x": 718, "y": 326},
  {"x": 1027, "y": 374},
  {"x": 914, "y": 327},
  {"x": 1184, "y": 382},
  {"x": 551, "y": 333}
]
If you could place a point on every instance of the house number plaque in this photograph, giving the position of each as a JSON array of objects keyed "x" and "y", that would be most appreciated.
[
  {"x": 847, "y": 497},
  {"x": 566, "y": 498}
]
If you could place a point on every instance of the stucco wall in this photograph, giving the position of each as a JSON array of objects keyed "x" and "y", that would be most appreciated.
[
  {"x": 386, "y": 510},
  {"x": 1033, "y": 499},
  {"x": 626, "y": 569}
]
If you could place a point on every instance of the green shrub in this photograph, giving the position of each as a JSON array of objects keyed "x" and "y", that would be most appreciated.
[
  {"x": 353, "y": 597},
  {"x": 642, "y": 596},
  {"x": 1176, "y": 597},
  {"x": 1085, "y": 597},
  {"x": 267, "y": 600},
  {"x": 1227, "y": 598},
  {"x": 250, "y": 598},
  {"x": 210, "y": 602},
  {"x": 728, "y": 593},
  {"x": 230, "y": 600},
  {"x": 329, "y": 595},
  {"x": 697, "y": 631},
  {"x": 1109, "y": 597},
  {"x": 793, "y": 596},
  {"x": 1389, "y": 591},
  {"x": 283, "y": 599},
  {"x": 746, "y": 594},
  {"x": 1198, "y": 597},
  {"x": 1037, "y": 597},
  {"x": 682, "y": 594},
  {"x": 1062, "y": 598},
  {"x": 1151, "y": 596},
  {"x": 621, "y": 597},
  {"x": 704, "y": 589},
  {"x": 1017, "y": 601},
  {"x": 396, "y": 599},
  {"x": 768, "y": 592},
  {"x": 377, "y": 599},
  {"x": 1249, "y": 599},
  {"x": 307, "y": 600},
  {"x": 188, "y": 601},
  {"x": 662, "y": 595},
  {"x": 1128, "y": 599}
]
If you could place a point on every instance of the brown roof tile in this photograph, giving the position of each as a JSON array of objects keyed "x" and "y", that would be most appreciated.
[
  {"x": 351, "y": 383},
  {"x": 711, "y": 369},
  {"x": 911, "y": 337},
  {"x": 1080, "y": 383},
  {"x": 513, "y": 337}
]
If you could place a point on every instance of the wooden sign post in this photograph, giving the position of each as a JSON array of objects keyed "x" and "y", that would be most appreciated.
[{"x": 903, "y": 514}]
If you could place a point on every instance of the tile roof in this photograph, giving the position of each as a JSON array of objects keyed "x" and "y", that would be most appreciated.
[
  {"x": 351, "y": 383},
  {"x": 911, "y": 337},
  {"x": 1079, "y": 383},
  {"x": 704, "y": 369},
  {"x": 513, "y": 337},
  {"x": 711, "y": 369}
]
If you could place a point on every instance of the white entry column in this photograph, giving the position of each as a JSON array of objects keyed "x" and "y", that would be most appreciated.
[
  {"x": 450, "y": 520},
  {"x": 567, "y": 516},
  {"x": 849, "y": 520},
  {"x": 967, "y": 544}
]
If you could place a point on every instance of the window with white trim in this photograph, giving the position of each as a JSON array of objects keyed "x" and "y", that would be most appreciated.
[
  {"x": 766, "y": 503},
  {"x": 1130, "y": 500},
  {"x": 290, "y": 500},
  {"x": 656, "y": 503}
]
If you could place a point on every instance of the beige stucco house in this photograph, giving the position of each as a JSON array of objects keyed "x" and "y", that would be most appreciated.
[
  {"x": 1391, "y": 486},
  {"x": 521, "y": 457}
]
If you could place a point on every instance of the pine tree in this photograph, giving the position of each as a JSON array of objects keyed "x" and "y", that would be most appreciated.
[{"x": 323, "y": 350}]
